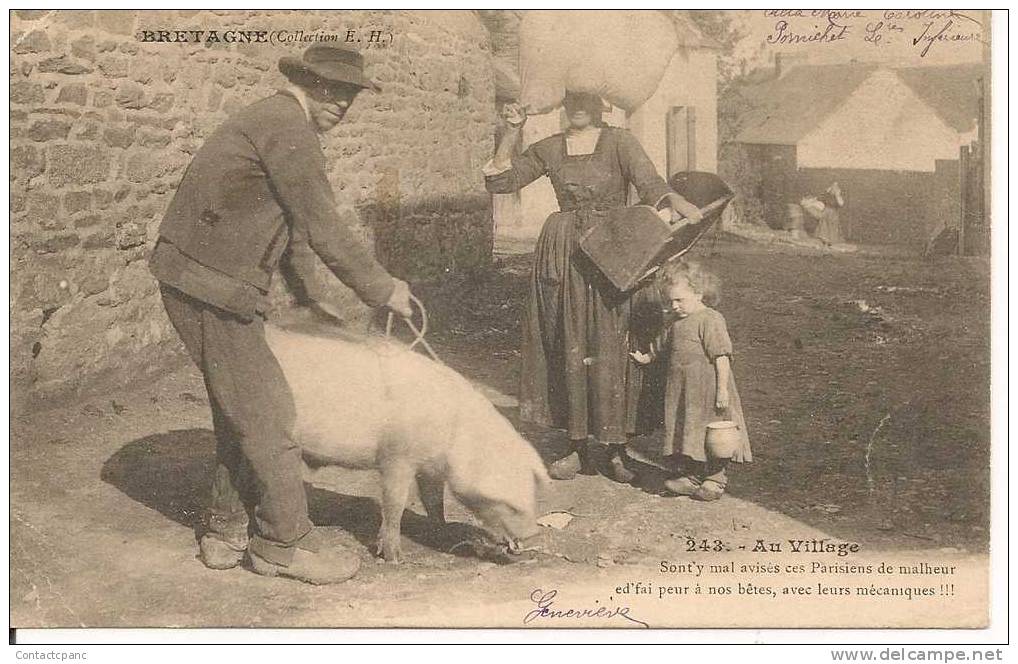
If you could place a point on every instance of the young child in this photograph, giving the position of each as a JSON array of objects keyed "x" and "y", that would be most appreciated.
[{"x": 700, "y": 388}]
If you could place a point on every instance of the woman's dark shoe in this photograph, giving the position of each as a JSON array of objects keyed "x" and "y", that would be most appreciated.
[
  {"x": 576, "y": 461},
  {"x": 565, "y": 468},
  {"x": 616, "y": 469}
]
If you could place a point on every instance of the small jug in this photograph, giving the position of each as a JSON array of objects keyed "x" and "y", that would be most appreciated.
[{"x": 722, "y": 439}]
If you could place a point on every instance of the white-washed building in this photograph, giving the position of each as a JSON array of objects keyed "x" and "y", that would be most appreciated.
[{"x": 891, "y": 138}]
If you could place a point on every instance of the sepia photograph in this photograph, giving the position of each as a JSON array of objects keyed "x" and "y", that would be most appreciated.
[{"x": 501, "y": 318}]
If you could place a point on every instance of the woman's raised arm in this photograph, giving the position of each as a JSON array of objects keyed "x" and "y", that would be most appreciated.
[{"x": 509, "y": 170}]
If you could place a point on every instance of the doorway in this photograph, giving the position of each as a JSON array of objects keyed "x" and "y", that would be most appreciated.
[{"x": 680, "y": 128}]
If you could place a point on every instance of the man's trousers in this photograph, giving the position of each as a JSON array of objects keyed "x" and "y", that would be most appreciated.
[{"x": 259, "y": 466}]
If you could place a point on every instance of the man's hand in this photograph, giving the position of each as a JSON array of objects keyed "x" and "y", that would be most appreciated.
[
  {"x": 684, "y": 207},
  {"x": 399, "y": 301}
]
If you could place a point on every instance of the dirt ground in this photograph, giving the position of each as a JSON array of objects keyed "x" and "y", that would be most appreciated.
[{"x": 865, "y": 383}]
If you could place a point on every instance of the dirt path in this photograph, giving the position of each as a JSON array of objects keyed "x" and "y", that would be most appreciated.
[{"x": 103, "y": 495}]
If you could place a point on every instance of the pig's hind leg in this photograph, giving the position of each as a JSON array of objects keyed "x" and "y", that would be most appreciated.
[
  {"x": 432, "y": 493},
  {"x": 397, "y": 476}
]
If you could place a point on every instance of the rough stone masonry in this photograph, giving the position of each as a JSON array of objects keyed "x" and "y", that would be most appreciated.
[{"x": 103, "y": 125}]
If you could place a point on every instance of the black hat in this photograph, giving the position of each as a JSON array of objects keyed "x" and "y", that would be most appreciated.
[{"x": 329, "y": 63}]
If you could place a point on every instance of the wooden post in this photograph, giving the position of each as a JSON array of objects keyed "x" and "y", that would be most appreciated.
[
  {"x": 983, "y": 245},
  {"x": 963, "y": 170},
  {"x": 985, "y": 134},
  {"x": 680, "y": 140},
  {"x": 691, "y": 138},
  {"x": 676, "y": 137}
]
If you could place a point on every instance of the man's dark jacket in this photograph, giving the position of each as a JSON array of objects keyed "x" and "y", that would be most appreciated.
[{"x": 258, "y": 180}]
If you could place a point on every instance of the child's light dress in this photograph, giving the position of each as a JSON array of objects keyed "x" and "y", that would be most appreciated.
[{"x": 690, "y": 345}]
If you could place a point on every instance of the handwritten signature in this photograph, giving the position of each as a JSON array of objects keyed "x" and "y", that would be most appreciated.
[
  {"x": 927, "y": 27},
  {"x": 931, "y": 35},
  {"x": 545, "y": 601}
]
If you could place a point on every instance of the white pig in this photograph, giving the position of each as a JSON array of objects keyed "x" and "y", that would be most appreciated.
[{"x": 377, "y": 404}]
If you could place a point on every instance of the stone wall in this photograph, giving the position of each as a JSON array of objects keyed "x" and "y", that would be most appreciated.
[{"x": 103, "y": 125}]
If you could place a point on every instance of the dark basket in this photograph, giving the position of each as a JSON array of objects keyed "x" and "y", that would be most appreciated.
[{"x": 631, "y": 243}]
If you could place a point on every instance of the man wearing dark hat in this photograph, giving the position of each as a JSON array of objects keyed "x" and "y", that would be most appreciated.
[{"x": 257, "y": 185}]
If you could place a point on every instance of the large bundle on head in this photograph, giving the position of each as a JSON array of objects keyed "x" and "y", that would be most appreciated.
[{"x": 619, "y": 55}]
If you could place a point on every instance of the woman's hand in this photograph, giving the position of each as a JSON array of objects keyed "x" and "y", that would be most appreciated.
[
  {"x": 514, "y": 114},
  {"x": 640, "y": 358},
  {"x": 722, "y": 400},
  {"x": 684, "y": 207}
]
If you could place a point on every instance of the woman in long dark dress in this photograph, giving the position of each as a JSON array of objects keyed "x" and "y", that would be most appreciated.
[{"x": 575, "y": 374}]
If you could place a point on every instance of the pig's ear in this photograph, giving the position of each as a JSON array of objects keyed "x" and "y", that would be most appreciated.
[{"x": 470, "y": 474}]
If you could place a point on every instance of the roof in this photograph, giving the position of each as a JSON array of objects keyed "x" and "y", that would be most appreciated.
[
  {"x": 951, "y": 91},
  {"x": 784, "y": 110},
  {"x": 690, "y": 35}
]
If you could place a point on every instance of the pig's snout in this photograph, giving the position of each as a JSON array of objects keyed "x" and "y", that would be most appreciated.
[
  {"x": 513, "y": 524},
  {"x": 525, "y": 530},
  {"x": 527, "y": 542},
  {"x": 518, "y": 530}
]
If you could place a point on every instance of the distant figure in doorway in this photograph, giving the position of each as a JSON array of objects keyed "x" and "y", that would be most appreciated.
[{"x": 824, "y": 209}]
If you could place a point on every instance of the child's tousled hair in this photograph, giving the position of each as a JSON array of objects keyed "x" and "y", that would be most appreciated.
[{"x": 700, "y": 279}]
